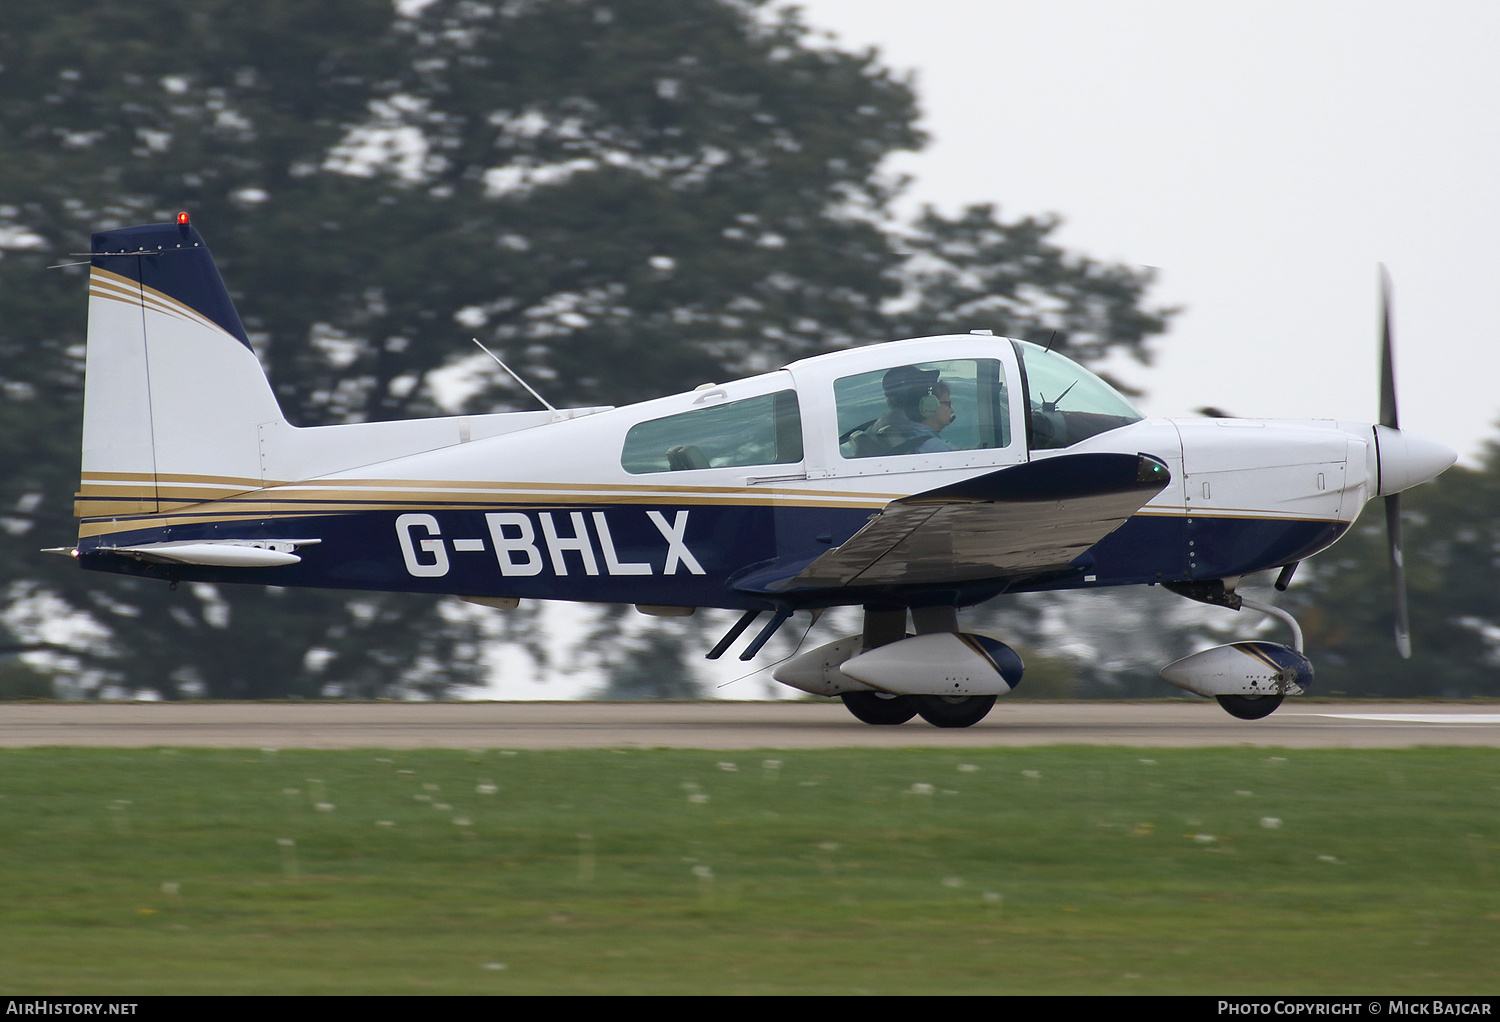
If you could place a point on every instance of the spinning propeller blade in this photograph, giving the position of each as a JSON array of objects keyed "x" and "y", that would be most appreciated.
[
  {"x": 1390, "y": 418},
  {"x": 1398, "y": 573}
]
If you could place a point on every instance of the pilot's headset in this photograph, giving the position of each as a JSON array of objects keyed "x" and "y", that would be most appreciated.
[
  {"x": 919, "y": 403},
  {"x": 910, "y": 389},
  {"x": 929, "y": 403}
]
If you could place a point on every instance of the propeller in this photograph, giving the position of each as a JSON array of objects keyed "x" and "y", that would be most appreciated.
[{"x": 1390, "y": 419}]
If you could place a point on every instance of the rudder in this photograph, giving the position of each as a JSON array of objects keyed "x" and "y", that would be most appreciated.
[{"x": 173, "y": 394}]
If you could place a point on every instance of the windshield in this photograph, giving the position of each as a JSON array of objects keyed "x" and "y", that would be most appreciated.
[{"x": 1068, "y": 403}]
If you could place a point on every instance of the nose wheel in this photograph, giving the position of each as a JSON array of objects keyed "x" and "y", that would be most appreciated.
[{"x": 1250, "y": 707}]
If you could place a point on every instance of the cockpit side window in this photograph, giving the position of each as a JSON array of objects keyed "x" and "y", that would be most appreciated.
[
  {"x": 764, "y": 430},
  {"x": 1067, "y": 402},
  {"x": 925, "y": 408}
]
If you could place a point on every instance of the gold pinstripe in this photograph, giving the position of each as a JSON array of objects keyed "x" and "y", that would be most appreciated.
[
  {"x": 111, "y": 484},
  {"x": 113, "y": 477},
  {"x": 294, "y": 499},
  {"x": 127, "y": 493},
  {"x": 324, "y": 497},
  {"x": 123, "y": 494},
  {"x": 1260, "y": 513},
  {"x": 1252, "y": 651},
  {"x": 469, "y": 486},
  {"x": 114, "y": 287},
  {"x": 972, "y": 643}
]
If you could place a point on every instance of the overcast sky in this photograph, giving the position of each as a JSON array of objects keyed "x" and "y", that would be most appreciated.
[{"x": 1263, "y": 157}]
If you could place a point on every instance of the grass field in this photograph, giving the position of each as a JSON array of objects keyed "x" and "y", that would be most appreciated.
[{"x": 1059, "y": 870}]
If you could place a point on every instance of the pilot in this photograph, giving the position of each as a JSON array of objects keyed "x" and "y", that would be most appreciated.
[{"x": 920, "y": 408}]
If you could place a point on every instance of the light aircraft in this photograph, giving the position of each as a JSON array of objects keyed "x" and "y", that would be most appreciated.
[{"x": 912, "y": 478}]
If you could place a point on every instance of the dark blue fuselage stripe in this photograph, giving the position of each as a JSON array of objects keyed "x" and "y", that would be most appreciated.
[{"x": 363, "y": 551}]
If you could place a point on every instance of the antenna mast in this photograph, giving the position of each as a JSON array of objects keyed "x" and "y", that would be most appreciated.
[{"x": 514, "y": 375}]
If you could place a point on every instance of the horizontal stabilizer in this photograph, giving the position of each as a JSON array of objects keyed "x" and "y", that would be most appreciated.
[{"x": 219, "y": 553}]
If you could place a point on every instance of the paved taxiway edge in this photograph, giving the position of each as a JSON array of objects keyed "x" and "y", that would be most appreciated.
[{"x": 730, "y": 725}]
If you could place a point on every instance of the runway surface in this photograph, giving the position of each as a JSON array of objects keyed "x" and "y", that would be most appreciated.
[{"x": 731, "y": 725}]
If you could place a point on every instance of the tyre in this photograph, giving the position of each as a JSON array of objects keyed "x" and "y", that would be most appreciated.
[
  {"x": 879, "y": 708},
  {"x": 953, "y": 711},
  {"x": 1250, "y": 707}
]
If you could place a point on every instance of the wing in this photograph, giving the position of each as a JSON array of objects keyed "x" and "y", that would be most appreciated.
[{"x": 1015, "y": 521}]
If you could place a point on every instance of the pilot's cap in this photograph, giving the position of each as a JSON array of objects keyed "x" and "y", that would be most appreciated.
[{"x": 906, "y": 379}]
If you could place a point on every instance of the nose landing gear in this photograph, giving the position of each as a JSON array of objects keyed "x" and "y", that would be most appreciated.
[
  {"x": 1250, "y": 707},
  {"x": 1249, "y": 679}
]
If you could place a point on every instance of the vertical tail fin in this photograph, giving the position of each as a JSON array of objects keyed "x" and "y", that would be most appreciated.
[{"x": 173, "y": 395}]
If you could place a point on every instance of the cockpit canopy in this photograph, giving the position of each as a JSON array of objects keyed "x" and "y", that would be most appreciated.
[
  {"x": 964, "y": 400},
  {"x": 1068, "y": 403}
]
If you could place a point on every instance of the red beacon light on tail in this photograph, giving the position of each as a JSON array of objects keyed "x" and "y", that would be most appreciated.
[{"x": 182, "y": 219}]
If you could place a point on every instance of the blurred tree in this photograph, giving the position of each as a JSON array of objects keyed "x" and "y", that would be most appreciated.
[
  {"x": 19, "y": 681},
  {"x": 974, "y": 271},
  {"x": 649, "y": 664},
  {"x": 623, "y": 199}
]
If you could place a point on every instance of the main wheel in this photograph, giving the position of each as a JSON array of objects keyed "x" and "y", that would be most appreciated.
[
  {"x": 879, "y": 708},
  {"x": 1250, "y": 707},
  {"x": 953, "y": 711}
]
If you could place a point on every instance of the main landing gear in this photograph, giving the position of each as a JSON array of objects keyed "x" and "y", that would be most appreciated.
[
  {"x": 880, "y": 707},
  {"x": 953, "y": 711},
  {"x": 886, "y": 675},
  {"x": 939, "y": 711},
  {"x": 885, "y": 626}
]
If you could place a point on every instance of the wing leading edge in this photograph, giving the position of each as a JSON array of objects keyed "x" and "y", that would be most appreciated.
[{"x": 1016, "y": 521}]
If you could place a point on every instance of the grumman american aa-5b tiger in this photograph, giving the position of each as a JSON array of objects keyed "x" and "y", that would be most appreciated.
[{"x": 913, "y": 479}]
